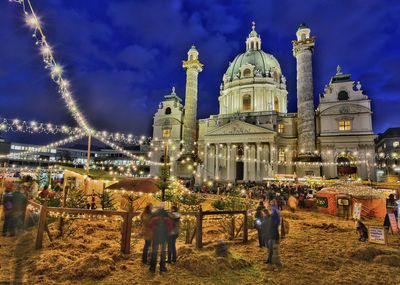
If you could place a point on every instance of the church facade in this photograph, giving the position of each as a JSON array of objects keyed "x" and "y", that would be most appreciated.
[{"x": 253, "y": 137}]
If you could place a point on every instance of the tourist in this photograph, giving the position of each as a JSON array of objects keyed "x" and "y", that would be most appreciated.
[
  {"x": 145, "y": 218},
  {"x": 174, "y": 234},
  {"x": 270, "y": 231},
  {"x": 258, "y": 221},
  {"x": 161, "y": 226},
  {"x": 9, "y": 221}
]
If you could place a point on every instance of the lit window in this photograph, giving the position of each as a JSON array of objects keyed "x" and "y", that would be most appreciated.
[
  {"x": 345, "y": 125},
  {"x": 281, "y": 128},
  {"x": 281, "y": 155},
  {"x": 246, "y": 106},
  {"x": 396, "y": 144}
]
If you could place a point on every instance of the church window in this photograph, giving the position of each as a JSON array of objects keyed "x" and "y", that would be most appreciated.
[
  {"x": 343, "y": 95},
  {"x": 303, "y": 37},
  {"x": 276, "y": 104},
  {"x": 247, "y": 72},
  {"x": 344, "y": 125},
  {"x": 191, "y": 57},
  {"x": 252, "y": 45},
  {"x": 246, "y": 103},
  {"x": 281, "y": 155},
  {"x": 168, "y": 111},
  {"x": 281, "y": 128}
]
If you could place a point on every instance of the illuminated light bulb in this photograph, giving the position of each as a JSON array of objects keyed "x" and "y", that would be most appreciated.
[
  {"x": 56, "y": 70},
  {"x": 45, "y": 50},
  {"x": 31, "y": 21}
]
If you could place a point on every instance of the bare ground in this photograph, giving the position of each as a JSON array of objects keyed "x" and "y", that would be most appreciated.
[{"x": 320, "y": 249}]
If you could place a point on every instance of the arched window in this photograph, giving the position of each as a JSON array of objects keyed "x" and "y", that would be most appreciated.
[
  {"x": 252, "y": 45},
  {"x": 168, "y": 111},
  {"x": 276, "y": 104},
  {"x": 191, "y": 57},
  {"x": 343, "y": 95},
  {"x": 246, "y": 103},
  {"x": 247, "y": 72},
  {"x": 303, "y": 37}
]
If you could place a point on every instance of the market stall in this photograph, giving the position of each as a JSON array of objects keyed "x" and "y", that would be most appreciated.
[{"x": 332, "y": 200}]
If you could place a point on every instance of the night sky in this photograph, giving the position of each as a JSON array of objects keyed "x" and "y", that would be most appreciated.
[{"x": 122, "y": 57}]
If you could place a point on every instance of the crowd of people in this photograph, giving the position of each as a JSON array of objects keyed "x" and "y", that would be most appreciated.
[{"x": 160, "y": 230}]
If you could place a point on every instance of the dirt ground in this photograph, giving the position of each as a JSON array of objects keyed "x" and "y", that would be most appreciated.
[{"x": 319, "y": 249}]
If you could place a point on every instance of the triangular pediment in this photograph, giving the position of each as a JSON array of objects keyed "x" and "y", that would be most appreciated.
[{"x": 237, "y": 127}]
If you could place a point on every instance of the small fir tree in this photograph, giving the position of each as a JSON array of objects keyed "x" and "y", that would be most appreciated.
[
  {"x": 164, "y": 183},
  {"x": 107, "y": 201},
  {"x": 76, "y": 198}
]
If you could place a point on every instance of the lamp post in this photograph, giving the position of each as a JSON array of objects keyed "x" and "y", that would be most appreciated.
[{"x": 166, "y": 132}]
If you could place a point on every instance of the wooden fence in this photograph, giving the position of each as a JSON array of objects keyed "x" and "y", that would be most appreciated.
[{"x": 127, "y": 216}]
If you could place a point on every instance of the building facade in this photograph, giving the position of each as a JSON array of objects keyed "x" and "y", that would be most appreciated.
[
  {"x": 387, "y": 146},
  {"x": 254, "y": 138}
]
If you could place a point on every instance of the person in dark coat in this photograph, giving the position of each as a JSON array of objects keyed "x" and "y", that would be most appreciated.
[
  {"x": 258, "y": 221},
  {"x": 270, "y": 231},
  {"x": 174, "y": 234},
  {"x": 8, "y": 208},
  {"x": 19, "y": 206},
  {"x": 145, "y": 218},
  {"x": 161, "y": 226}
]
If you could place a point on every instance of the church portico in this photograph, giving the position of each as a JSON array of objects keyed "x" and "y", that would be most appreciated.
[{"x": 237, "y": 161}]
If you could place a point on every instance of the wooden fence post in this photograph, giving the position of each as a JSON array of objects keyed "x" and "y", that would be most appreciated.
[
  {"x": 199, "y": 228},
  {"x": 41, "y": 225},
  {"x": 245, "y": 227},
  {"x": 128, "y": 231}
]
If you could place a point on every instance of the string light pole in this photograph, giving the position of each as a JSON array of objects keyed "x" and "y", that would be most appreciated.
[{"x": 166, "y": 131}]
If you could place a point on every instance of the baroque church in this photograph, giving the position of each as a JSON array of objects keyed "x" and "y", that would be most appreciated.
[{"x": 254, "y": 138}]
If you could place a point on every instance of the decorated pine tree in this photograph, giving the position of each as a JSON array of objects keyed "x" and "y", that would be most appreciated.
[
  {"x": 107, "y": 201},
  {"x": 76, "y": 198},
  {"x": 164, "y": 183}
]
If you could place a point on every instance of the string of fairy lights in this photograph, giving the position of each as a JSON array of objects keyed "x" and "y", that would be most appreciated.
[
  {"x": 32, "y": 20},
  {"x": 33, "y": 127}
]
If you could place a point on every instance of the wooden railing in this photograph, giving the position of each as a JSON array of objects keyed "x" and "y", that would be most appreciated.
[{"x": 127, "y": 216}]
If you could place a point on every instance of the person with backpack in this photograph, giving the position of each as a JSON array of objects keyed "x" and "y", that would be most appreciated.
[
  {"x": 8, "y": 210},
  {"x": 174, "y": 234},
  {"x": 258, "y": 221},
  {"x": 145, "y": 218},
  {"x": 161, "y": 226}
]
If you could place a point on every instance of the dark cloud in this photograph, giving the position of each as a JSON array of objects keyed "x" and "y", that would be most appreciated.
[{"x": 122, "y": 57}]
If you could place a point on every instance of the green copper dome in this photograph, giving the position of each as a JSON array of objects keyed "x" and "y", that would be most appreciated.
[{"x": 264, "y": 63}]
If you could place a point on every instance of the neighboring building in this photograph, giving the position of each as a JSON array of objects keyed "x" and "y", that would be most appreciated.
[
  {"x": 254, "y": 137},
  {"x": 76, "y": 155},
  {"x": 387, "y": 146}
]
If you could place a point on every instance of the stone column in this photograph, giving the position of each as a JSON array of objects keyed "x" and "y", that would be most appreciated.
[
  {"x": 205, "y": 164},
  {"x": 302, "y": 49},
  {"x": 228, "y": 161},
  {"x": 192, "y": 67},
  {"x": 258, "y": 158},
  {"x": 216, "y": 173},
  {"x": 245, "y": 160}
]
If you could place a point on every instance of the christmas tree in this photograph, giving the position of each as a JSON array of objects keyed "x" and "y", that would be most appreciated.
[
  {"x": 76, "y": 198},
  {"x": 107, "y": 201},
  {"x": 164, "y": 182}
]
